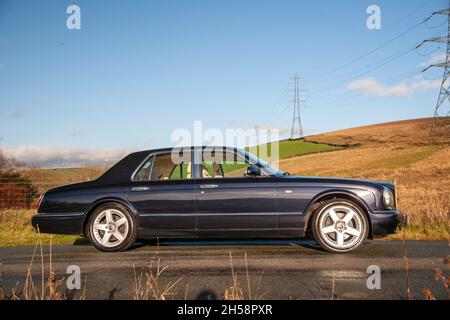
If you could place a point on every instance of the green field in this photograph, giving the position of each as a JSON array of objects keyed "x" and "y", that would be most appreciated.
[{"x": 289, "y": 149}]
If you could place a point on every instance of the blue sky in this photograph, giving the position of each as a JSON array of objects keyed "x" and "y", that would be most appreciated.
[{"x": 137, "y": 70}]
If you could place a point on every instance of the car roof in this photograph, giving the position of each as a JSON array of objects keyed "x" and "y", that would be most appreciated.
[
  {"x": 124, "y": 169},
  {"x": 187, "y": 147}
]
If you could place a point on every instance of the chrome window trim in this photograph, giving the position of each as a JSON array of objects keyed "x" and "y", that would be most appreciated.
[
  {"x": 140, "y": 166},
  {"x": 195, "y": 174}
]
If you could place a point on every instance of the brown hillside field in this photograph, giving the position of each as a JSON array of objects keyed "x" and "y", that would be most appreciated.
[
  {"x": 421, "y": 171},
  {"x": 414, "y": 131}
]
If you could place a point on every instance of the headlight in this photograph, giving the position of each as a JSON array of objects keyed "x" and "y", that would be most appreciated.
[{"x": 388, "y": 198}]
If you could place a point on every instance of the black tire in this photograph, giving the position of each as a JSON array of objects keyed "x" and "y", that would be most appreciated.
[
  {"x": 325, "y": 240},
  {"x": 129, "y": 236}
]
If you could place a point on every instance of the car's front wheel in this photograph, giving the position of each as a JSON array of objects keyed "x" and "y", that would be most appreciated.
[
  {"x": 339, "y": 226},
  {"x": 111, "y": 227}
]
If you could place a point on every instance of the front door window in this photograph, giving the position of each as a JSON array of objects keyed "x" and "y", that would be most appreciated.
[{"x": 222, "y": 164}]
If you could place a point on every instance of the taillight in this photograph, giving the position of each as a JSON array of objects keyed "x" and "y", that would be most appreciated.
[{"x": 41, "y": 197}]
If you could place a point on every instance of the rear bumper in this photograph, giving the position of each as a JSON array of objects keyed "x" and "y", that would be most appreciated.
[
  {"x": 71, "y": 224},
  {"x": 387, "y": 222}
]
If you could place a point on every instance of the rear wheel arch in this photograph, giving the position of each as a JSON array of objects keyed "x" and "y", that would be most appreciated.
[
  {"x": 318, "y": 200},
  {"x": 104, "y": 201}
]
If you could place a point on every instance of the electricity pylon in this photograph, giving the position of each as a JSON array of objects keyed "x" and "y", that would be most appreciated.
[
  {"x": 297, "y": 130},
  {"x": 440, "y": 124}
]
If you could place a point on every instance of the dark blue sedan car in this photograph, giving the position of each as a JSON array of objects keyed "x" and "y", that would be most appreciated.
[{"x": 216, "y": 192}]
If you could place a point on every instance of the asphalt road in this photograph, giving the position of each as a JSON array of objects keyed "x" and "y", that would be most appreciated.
[{"x": 291, "y": 269}]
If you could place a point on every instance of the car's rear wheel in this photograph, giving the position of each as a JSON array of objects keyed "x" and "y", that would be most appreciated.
[
  {"x": 339, "y": 226},
  {"x": 111, "y": 227}
]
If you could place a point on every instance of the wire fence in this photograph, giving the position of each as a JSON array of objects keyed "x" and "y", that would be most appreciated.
[
  {"x": 21, "y": 191},
  {"x": 15, "y": 196}
]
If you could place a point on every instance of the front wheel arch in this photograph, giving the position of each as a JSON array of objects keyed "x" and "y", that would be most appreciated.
[
  {"x": 315, "y": 203},
  {"x": 324, "y": 223}
]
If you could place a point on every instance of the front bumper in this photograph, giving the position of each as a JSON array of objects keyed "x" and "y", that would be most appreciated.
[
  {"x": 387, "y": 222},
  {"x": 71, "y": 224}
]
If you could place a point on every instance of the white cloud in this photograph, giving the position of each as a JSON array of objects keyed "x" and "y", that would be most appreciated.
[
  {"x": 54, "y": 157},
  {"x": 434, "y": 59},
  {"x": 372, "y": 87}
]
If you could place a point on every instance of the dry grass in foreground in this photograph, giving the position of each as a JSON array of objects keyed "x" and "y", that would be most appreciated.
[
  {"x": 48, "y": 287},
  {"x": 440, "y": 276},
  {"x": 148, "y": 285},
  {"x": 236, "y": 292}
]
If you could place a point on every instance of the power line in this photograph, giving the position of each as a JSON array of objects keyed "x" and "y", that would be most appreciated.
[
  {"x": 274, "y": 107},
  {"x": 389, "y": 60},
  {"x": 371, "y": 51},
  {"x": 380, "y": 62},
  {"x": 358, "y": 95}
]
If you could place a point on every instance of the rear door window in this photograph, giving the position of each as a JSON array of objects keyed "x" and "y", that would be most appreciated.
[{"x": 164, "y": 167}]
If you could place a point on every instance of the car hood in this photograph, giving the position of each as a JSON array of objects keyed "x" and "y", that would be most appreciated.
[{"x": 346, "y": 181}]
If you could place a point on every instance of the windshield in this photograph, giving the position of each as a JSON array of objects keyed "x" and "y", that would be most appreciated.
[{"x": 267, "y": 168}]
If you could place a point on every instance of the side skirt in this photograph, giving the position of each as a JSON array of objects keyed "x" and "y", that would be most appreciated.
[{"x": 221, "y": 234}]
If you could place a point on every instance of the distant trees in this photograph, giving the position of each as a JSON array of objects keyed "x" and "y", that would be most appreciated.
[{"x": 9, "y": 163}]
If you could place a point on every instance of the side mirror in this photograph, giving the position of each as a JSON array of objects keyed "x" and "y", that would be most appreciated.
[{"x": 253, "y": 171}]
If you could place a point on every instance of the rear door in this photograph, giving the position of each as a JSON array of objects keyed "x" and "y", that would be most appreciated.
[{"x": 163, "y": 194}]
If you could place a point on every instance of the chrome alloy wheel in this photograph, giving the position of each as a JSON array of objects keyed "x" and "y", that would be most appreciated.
[
  {"x": 341, "y": 226},
  {"x": 110, "y": 228}
]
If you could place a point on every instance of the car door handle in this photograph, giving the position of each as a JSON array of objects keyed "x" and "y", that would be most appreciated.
[
  {"x": 140, "y": 189},
  {"x": 208, "y": 186}
]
